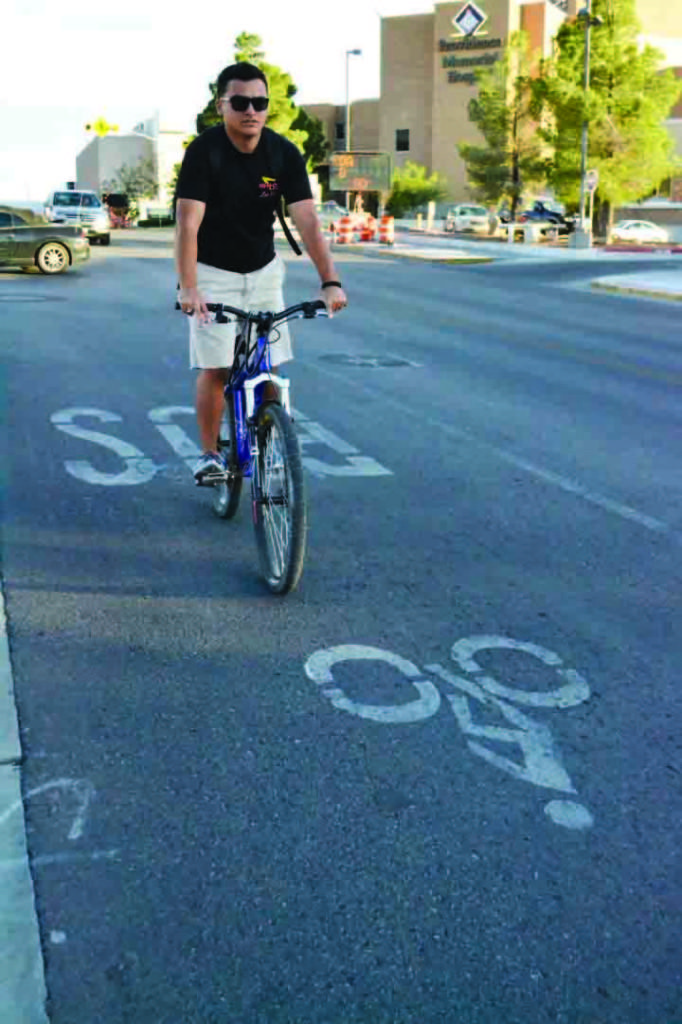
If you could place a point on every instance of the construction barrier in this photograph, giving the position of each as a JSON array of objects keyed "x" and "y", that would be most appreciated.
[
  {"x": 343, "y": 233},
  {"x": 387, "y": 230},
  {"x": 368, "y": 230}
]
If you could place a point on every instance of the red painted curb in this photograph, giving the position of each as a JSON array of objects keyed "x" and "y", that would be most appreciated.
[{"x": 666, "y": 250}]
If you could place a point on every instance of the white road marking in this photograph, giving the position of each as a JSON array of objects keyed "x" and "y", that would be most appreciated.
[
  {"x": 574, "y": 691},
  {"x": 319, "y": 666},
  {"x": 311, "y": 432},
  {"x": 179, "y": 440},
  {"x": 138, "y": 470},
  {"x": 57, "y": 938},
  {"x": 83, "y": 790},
  {"x": 541, "y": 765},
  {"x": 569, "y": 814},
  {"x": 356, "y": 465}
]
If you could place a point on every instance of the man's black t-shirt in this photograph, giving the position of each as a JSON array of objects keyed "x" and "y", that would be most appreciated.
[{"x": 241, "y": 191}]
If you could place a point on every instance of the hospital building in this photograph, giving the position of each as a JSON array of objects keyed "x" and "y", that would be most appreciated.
[{"x": 428, "y": 66}]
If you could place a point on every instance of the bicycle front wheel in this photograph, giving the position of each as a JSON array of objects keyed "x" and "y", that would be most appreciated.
[
  {"x": 226, "y": 495},
  {"x": 279, "y": 501}
]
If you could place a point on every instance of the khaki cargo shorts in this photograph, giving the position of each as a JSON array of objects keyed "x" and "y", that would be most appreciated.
[{"x": 212, "y": 346}]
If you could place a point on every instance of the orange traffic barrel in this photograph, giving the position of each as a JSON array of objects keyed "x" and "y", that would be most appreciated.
[
  {"x": 344, "y": 230},
  {"x": 387, "y": 230},
  {"x": 368, "y": 230}
]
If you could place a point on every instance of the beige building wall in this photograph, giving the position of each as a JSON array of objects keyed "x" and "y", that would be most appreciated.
[
  {"x": 364, "y": 125},
  {"x": 407, "y": 86}
]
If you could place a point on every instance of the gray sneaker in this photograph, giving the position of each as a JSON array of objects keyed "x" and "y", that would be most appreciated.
[{"x": 209, "y": 468}]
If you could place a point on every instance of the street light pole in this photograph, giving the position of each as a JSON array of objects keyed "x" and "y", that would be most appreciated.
[
  {"x": 349, "y": 53},
  {"x": 584, "y": 238}
]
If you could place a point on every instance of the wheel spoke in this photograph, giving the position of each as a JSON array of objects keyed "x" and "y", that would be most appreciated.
[{"x": 275, "y": 516}]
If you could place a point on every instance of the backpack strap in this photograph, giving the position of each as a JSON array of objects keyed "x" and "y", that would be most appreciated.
[{"x": 274, "y": 168}]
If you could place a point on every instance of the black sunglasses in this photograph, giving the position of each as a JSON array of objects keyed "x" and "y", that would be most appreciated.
[{"x": 241, "y": 103}]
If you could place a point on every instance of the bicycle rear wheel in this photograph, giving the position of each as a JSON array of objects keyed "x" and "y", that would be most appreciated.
[
  {"x": 226, "y": 495},
  {"x": 279, "y": 500}
]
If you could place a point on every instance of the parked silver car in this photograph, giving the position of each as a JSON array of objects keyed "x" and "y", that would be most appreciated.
[{"x": 28, "y": 240}]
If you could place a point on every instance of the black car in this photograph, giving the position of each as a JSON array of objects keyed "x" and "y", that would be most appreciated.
[
  {"x": 27, "y": 239},
  {"x": 547, "y": 215}
]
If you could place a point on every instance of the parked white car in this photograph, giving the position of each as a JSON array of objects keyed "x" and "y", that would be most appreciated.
[
  {"x": 642, "y": 231},
  {"x": 467, "y": 218},
  {"x": 80, "y": 207}
]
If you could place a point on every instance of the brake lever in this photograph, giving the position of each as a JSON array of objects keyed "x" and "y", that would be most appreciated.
[{"x": 219, "y": 317}]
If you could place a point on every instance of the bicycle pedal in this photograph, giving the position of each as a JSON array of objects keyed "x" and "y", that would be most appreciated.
[{"x": 212, "y": 480}]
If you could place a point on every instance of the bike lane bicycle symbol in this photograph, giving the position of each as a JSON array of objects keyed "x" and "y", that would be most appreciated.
[{"x": 467, "y": 689}]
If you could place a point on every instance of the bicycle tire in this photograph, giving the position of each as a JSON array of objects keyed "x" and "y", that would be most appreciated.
[
  {"x": 226, "y": 495},
  {"x": 278, "y": 483}
]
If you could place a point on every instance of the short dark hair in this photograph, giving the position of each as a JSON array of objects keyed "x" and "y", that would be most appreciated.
[{"x": 242, "y": 72}]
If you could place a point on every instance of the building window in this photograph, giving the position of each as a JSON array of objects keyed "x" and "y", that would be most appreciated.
[
  {"x": 402, "y": 140},
  {"x": 340, "y": 135}
]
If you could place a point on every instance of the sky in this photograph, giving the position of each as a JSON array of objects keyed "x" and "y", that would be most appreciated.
[{"x": 64, "y": 65}]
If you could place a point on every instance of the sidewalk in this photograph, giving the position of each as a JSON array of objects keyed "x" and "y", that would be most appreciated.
[
  {"x": 660, "y": 284},
  {"x": 22, "y": 981},
  {"x": 656, "y": 283}
]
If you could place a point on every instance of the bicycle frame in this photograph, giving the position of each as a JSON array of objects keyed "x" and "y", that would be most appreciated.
[
  {"x": 244, "y": 396},
  {"x": 253, "y": 371}
]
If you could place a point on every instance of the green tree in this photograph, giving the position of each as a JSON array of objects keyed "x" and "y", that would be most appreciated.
[
  {"x": 625, "y": 107},
  {"x": 282, "y": 112},
  {"x": 510, "y": 158},
  {"x": 411, "y": 187},
  {"x": 137, "y": 181},
  {"x": 315, "y": 148}
]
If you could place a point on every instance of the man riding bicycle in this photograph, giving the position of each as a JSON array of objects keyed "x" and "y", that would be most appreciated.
[{"x": 232, "y": 179}]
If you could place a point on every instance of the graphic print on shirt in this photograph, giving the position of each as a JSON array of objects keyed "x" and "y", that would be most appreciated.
[{"x": 268, "y": 188}]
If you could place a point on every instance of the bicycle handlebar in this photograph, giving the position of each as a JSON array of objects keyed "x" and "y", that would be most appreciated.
[{"x": 302, "y": 310}]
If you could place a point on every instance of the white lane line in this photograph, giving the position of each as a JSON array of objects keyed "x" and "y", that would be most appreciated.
[
  {"x": 573, "y": 487},
  {"x": 547, "y": 476}
]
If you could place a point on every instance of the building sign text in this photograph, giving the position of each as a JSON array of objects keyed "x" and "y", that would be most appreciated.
[{"x": 447, "y": 46}]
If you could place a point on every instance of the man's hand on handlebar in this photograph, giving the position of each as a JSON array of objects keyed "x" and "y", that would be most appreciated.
[
  {"x": 192, "y": 301},
  {"x": 334, "y": 299}
]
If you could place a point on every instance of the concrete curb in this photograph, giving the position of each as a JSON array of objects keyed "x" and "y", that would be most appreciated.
[
  {"x": 23, "y": 994},
  {"x": 664, "y": 250},
  {"x": 10, "y": 745},
  {"x": 426, "y": 256},
  {"x": 645, "y": 293}
]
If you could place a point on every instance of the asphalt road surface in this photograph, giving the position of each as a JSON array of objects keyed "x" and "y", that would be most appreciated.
[{"x": 440, "y": 782}]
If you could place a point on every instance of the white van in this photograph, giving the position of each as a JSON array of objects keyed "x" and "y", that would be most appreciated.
[{"x": 80, "y": 207}]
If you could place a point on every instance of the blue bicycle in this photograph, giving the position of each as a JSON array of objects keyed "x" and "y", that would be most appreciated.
[{"x": 262, "y": 444}]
